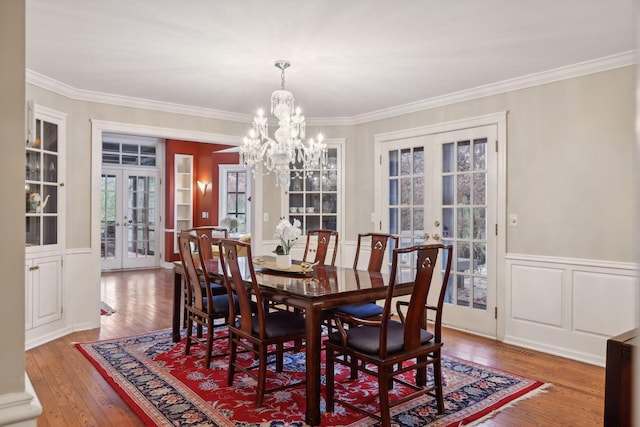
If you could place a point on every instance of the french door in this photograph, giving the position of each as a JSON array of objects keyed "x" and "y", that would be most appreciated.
[
  {"x": 442, "y": 187},
  {"x": 129, "y": 219}
]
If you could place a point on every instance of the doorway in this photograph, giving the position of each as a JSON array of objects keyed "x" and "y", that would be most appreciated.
[
  {"x": 129, "y": 219},
  {"x": 441, "y": 186}
]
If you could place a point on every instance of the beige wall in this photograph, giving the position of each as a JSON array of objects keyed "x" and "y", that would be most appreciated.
[
  {"x": 570, "y": 163},
  {"x": 12, "y": 131}
]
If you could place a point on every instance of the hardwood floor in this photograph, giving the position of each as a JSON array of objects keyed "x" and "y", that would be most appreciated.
[{"x": 73, "y": 393}]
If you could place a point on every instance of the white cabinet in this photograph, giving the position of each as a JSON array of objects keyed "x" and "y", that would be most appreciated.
[
  {"x": 44, "y": 223},
  {"x": 183, "y": 194},
  {"x": 43, "y": 279}
]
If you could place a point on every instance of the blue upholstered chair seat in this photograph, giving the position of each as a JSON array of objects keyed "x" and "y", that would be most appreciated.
[
  {"x": 362, "y": 311},
  {"x": 367, "y": 338}
]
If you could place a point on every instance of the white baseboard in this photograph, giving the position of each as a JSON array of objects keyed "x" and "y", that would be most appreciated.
[{"x": 20, "y": 409}]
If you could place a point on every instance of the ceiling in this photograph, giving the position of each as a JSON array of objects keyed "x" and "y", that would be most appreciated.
[{"x": 349, "y": 58}]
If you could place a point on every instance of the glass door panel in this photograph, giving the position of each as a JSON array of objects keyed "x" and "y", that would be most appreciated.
[
  {"x": 129, "y": 217},
  {"x": 438, "y": 191}
]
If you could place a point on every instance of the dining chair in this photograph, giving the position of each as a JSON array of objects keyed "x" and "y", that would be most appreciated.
[
  {"x": 202, "y": 306},
  {"x": 378, "y": 247},
  {"x": 264, "y": 332},
  {"x": 323, "y": 244},
  {"x": 395, "y": 347}
]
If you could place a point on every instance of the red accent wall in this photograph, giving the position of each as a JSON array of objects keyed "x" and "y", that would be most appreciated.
[{"x": 205, "y": 169}]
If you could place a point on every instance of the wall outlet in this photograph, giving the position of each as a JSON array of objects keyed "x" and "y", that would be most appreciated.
[
  {"x": 513, "y": 220},
  {"x": 265, "y": 216},
  {"x": 205, "y": 214}
]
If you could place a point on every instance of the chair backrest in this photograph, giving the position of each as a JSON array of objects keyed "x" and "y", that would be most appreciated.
[
  {"x": 215, "y": 233},
  {"x": 379, "y": 243},
  {"x": 323, "y": 239},
  {"x": 195, "y": 295},
  {"x": 425, "y": 258},
  {"x": 243, "y": 287}
]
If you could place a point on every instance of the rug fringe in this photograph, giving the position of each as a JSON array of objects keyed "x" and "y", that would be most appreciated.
[{"x": 542, "y": 389}]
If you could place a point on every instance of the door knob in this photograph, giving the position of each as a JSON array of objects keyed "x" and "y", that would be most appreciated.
[
  {"x": 436, "y": 223},
  {"x": 426, "y": 236},
  {"x": 436, "y": 237}
]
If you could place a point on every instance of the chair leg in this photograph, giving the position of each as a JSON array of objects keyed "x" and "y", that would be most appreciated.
[
  {"x": 207, "y": 360},
  {"x": 233, "y": 345},
  {"x": 279, "y": 357},
  {"x": 262, "y": 376},
  {"x": 187, "y": 347},
  {"x": 330, "y": 379},
  {"x": 437, "y": 379},
  {"x": 421, "y": 373},
  {"x": 383, "y": 383},
  {"x": 353, "y": 363}
]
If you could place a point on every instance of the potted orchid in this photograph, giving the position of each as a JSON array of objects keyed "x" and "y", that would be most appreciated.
[{"x": 288, "y": 233}]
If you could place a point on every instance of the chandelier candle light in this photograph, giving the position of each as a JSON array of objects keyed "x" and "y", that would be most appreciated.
[{"x": 281, "y": 155}]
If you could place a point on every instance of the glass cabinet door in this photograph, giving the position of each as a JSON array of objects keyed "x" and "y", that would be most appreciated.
[{"x": 42, "y": 184}]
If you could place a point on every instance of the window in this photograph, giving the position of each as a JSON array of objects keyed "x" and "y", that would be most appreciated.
[
  {"x": 116, "y": 153},
  {"x": 235, "y": 181},
  {"x": 314, "y": 198}
]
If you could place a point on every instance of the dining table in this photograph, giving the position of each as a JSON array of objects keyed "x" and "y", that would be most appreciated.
[{"x": 313, "y": 292}]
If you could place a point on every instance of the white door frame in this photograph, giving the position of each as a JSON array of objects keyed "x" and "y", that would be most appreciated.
[{"x": 500, "y": 120}]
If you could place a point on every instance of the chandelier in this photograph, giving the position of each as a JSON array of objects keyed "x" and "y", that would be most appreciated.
[{"x": 288, "y": 152}]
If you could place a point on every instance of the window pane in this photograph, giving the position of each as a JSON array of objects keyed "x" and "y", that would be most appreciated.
[
  {"x": 418, "y": 221},
  {"x": 480, "y": 154},
  {"x": 405, "y": 191},
  {"x": 447, "y": 157},
  {"x": 393, "y": 163},
  {"x": 231, "y": 181},
  {"x": 479, "y": 223},
  {"x": 479, "y": 188},
  {"x": 464, "y": 225},
  {"x": 393, "y": 192},
  {"x": 242, "y": 181},
  {"x": 418, "y": 160},
  {"x": 129, "y": 148},
  {"x": 464, "y": 189},
  {"x": 447, "y": 190},
  {"x": 464, "y": 156},
  {"x": 447, "y": 222},
  {"x": 418, "y": 190},
  {"x": 405, "y": 161}
]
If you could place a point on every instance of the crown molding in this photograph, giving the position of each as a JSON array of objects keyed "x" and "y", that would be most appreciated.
[
  {"x": 583, "y": 68},
  {"x": 575, "y": 70},
  {"x": 48, "y": 83}
]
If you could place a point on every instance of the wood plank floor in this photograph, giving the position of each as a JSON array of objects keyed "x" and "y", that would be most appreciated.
[{"x": 73, "y": 393}]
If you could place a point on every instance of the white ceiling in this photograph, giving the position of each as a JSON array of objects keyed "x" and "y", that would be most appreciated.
[{"x": 349, "y": 58}]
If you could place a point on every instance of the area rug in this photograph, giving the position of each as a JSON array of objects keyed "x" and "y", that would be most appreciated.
[
  {"x": 106, "y": 309},
  {"x": 166, "y": 388}
]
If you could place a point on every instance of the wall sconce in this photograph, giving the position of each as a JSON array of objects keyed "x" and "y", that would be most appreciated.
[{"x": 203, "y": 187}]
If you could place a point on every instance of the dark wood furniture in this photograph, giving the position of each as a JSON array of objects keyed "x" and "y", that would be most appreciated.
[
  {"x": 323, "y": 238},
  {"x": 253, "y": 331},
  {"x": 388, "y": 344},
  {"x": 618, "y": 396},
  {"x": 325, "y": 287},
  {"x": 202, "y": 306}
]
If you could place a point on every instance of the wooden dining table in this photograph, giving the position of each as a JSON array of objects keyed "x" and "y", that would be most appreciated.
[{"x": 320, "y": 289}]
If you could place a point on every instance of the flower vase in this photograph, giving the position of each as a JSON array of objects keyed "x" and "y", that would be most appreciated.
[{"x": 283, "y": 261}]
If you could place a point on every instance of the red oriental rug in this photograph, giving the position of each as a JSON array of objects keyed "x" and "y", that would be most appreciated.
[{"x": 166, "y": 388}]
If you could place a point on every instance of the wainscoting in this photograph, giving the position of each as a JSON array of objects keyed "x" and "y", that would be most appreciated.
[
  {"x": 568, "y": 307},
  {"x": 561, "y": 306}
]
